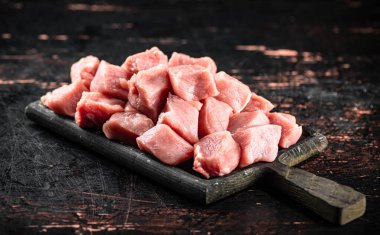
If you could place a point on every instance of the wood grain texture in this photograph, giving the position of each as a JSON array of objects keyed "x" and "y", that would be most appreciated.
[
  {"x": 314, "y": 59},
  {"x": 301, "y": 152},
  {"x": 334, "y": 202}
]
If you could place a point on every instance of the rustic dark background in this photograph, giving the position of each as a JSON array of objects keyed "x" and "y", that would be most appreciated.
[{"x": 317, "y": 59}]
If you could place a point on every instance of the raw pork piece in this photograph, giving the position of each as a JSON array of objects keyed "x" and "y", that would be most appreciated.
[
  {"x": 291, "y": 132},
  {"x": 84, "y": 69},
  {"x": 107, "y": 81},
  {"x": 148, "y": 91},
  {"x": 258, "y": 143},
  {"x": 258, "y": 103},
  {"x": 247, "y": 119},
  {"x": 144, "y": 60},
  {"x": 182, "y": 117},
  {"x": 64, "y": 99},
  {"x": 127, "y": 126},
  {"x": 289, "y": 117},
  {"x": 94, "y": 109},
  {"x": 182, "y": 59},
  {"x": 192, "y": 82},
  {"x": 165, "y": 144},
  {"x": 216, "y": 154},
  {"x": 232, "y": 91},
  {"x": 196, "y": 104},
  {"x": 130, "y": 108},
  {"x": 213, "y": 117}
]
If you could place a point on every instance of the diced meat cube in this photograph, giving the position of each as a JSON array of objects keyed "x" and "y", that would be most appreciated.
[
  {"x": 232, "y": 91},
  {"x": 213, "y": 117},
  {"x": 258, "y": 143},
  {"x": 107, "y": 81},
  {"x": 216, "y": 154},
  {"x": 182, "y": 117},
  {"x": 258, "y": 103},
  {"x": 144, "y": 60},
  {"x": 127, "y": 126},
  {"x": 165, "y": 144},
  {"x": 182, "y": 59},
  {"x": 247, "y": 119},
  {"x": 192, "y": 82},
  {"x": 196, "y": 104},
  {"x": 148, "y": 90},
  {"x": 289, "y": 117},
  {"x": 94, "y": 109},
  {"x": 85, "y": 70},
  {"x": 291, "y": 132},
  {"x": 130, "y": 108},
  {"x": 64, "y": 99}
]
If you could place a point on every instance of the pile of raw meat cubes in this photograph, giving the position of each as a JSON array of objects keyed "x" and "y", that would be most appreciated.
[{"x": 177, "y": 109}]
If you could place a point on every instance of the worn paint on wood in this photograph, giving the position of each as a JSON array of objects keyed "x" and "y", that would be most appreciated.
[{"x": 320, "y": 67}]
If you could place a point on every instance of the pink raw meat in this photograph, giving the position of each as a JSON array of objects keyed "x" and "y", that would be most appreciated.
[
  {"x": 258, "y": 143},
  {"x": 84, "y": 69},
  {"x": 289, "y": 117},
  {"x": 183, "y": 59},
  {"x": 127, "y": 126},
  {"x": 196, "y": 104},
  {"x": 258, "y": 103},
  {"x": 148, "y": 90},
  {"x": 247, "y": 119},
  {"x": 213, "y": 117},
  {"x": 232, "y": 91},
  {"x": 130, "y": 108},
  {"x": 182, "y": 117},
  {"x": 107, "y": 81},
  {"x": 216, "y": 154},
  {"x": 94, "y": 109},
  {"x": 144, "y": 60},
  {"x": 291, "y": 132},
  {"x": 64, "y": 99},
  {"x": 165, "y": 144},
  {"x": 192, "y": 82}
]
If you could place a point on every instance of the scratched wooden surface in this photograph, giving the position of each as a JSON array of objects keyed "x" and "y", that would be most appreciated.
[{"x": 318, "y": 60}]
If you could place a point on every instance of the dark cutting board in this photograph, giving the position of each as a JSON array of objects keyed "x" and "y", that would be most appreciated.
[{"x": 334, "y": 202}]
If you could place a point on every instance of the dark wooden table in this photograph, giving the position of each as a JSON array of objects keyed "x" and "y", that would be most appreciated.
[{"x": 318, "y": 60}]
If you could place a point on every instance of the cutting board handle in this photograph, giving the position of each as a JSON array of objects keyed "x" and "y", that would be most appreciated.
[{"x": 336, "y": 203}]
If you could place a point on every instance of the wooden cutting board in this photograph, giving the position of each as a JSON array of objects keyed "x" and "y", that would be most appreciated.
[{"x": 334, "y": 202}]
